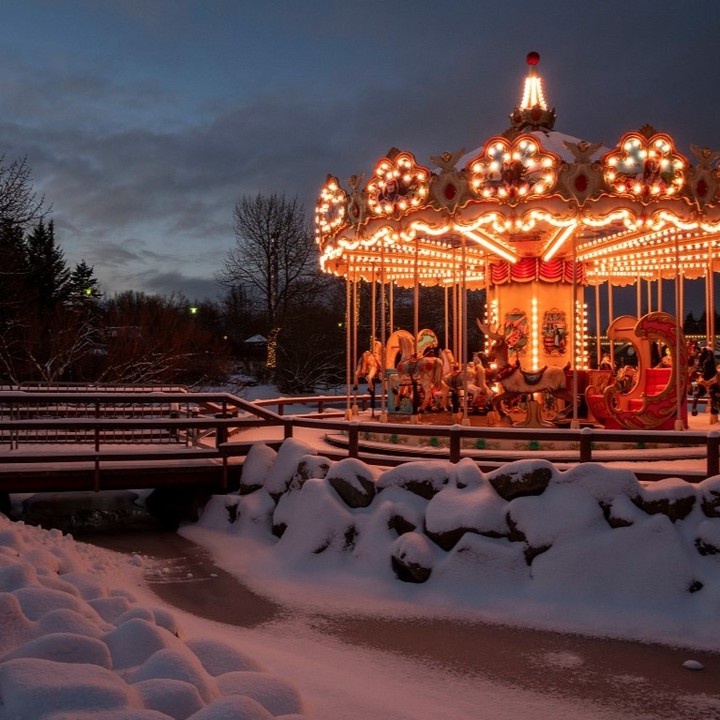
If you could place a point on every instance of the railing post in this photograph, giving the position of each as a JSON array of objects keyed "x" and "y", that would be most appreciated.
[
  {"x": 288, "y": 426},
  {"x": 586, "y": 445},
  {"x": 454, "y": 444},
  {"x": 353, "y": 439},
  {"x": 713, "y": 453}
]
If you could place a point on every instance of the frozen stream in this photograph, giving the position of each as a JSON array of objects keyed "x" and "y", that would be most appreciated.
[{"x": 618, "y": 679}]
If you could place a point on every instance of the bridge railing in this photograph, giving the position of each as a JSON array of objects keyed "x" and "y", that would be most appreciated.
[{"x": 228, "y": 416}]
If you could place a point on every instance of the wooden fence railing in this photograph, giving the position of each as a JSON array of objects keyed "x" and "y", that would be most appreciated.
[{"x": 183, "y": 414}]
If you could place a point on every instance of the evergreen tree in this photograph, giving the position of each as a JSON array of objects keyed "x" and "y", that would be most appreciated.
[
  {"x": 82, "y": 283},
  {"x": 48, "y": 272},
  {"x": 13, "y": 271}
]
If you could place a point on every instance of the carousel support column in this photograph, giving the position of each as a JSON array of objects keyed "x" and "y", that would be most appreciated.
[
  {"x": 648, "y": 283},
  {"x": 391, "y": 308},
  {"x": 373, "y": 319},
  {"x": 575, "y": 423},
  {"x": 710, "y": 283},
  {"x": 348, "y": 345},
  {"x": 489, "y": 299},
  {"x": 355, "y": 349},
  {"x": 680, "y": 309},
  {"x": 464, "y": 336},
  {"x": 598, "y": 343},
  {"x": 455, "y": 299},
  {"x": 611, "y": 317},
  {"x": 416, "y": 332},
  {"x": 660, "y": 292},
  {"x": 680, "y": 372},
  {"x": 447, "y": 320},
  {"x": 416, "y": 295},
  {"x": 638, "y": 297},
  {"x": 383, "y": 340}
]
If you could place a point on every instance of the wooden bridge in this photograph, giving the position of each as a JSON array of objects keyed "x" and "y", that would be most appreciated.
[{"x": 98, "y": 439}]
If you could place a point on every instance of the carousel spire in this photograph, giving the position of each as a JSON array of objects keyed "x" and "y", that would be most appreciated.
[{"x": 532, "y": 113}]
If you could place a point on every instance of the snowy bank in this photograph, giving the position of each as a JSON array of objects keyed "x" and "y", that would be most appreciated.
[
  {"x": 74, "y": 647},
  {"x": 588, "y": 550}
]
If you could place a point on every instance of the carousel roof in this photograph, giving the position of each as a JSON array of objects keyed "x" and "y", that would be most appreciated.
[{"x": 532, "y": 200}]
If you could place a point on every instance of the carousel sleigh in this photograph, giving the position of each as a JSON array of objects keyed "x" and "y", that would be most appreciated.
[{"x": 651, "y": 401}]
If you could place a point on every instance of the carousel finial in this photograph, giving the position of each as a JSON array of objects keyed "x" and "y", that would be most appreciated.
[{"x": 532, "y": 113}]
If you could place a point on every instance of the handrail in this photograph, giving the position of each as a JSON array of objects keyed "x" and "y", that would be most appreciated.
[{"x": 242, "y": 414}]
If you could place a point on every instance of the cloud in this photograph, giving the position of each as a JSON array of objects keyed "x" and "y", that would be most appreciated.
[{"x": 144, "y": 124}]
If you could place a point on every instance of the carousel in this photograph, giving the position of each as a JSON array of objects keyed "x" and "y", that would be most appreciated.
[{"x": 541, "y": 222}]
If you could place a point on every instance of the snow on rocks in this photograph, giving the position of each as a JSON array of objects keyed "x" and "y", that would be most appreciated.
[
  {"x": 412, "y": 557},
  {"x": 556, "y": 535},
  {"x": 286, "y": 466},
  {"x": 354, "y": 482},
  {"x": 256, "y": 467},
  {"x": 423, "y": 478},
  {"x": 70, "y": 646}
]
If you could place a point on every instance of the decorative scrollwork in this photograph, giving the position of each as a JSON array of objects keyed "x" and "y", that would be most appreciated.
[
  {"x": 645, "y": 165},
  {"x": 512, "y": 169}
]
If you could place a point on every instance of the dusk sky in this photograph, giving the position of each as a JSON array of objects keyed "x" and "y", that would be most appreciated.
[{"x": 144, "y": 121}]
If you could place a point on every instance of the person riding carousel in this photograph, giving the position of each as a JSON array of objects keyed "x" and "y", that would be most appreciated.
[{"x": 704, "y": 372}]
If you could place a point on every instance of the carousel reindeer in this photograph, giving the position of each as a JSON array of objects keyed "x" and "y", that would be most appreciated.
[{"x": 515, "y": 381}]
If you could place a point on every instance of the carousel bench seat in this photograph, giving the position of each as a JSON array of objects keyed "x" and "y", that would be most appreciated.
[
  {"x": 635, "y": 400},
  {"x": 656, "y": 380}
]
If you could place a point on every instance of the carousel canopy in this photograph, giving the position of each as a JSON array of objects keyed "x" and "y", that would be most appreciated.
[{"x": 531, "y": 203}]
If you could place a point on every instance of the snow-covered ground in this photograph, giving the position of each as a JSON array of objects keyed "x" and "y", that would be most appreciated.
[{"x": 588, "y": 550}]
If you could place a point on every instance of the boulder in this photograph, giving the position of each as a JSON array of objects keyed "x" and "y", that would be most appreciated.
[
  {"x": 709, "y": 493},
  {"x": 672, "y": 497},
  {"x": 256, "y": 468},
  {"x": 423, "y": 477},
  {"x": 522, "y": 478},
  {"x": 412, "y": 558},
  {"x": 352, "y": 480}
]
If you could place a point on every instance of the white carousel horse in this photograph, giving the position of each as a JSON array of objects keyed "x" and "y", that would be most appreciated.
[
  {"x": 446, "y": 355},
  {"x": 515, "y": 381}
]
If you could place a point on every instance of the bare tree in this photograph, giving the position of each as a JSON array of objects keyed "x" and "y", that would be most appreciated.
[
  {"x": 274, "y": 259},
  {"x": 19, "y": 204}
]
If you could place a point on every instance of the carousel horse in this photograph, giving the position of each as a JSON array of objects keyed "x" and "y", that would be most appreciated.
[
  {"x": 415, "y": 374},
  {"x": 515, "y": 381},
  {"x": 369, "y": 366},
  {"x": 424, "y": 373},
  {"x": 472, "y": 379}
]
